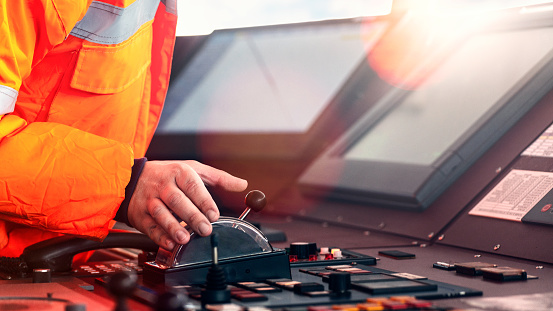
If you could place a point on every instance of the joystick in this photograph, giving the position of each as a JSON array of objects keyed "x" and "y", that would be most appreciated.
[
  {"x": 255, "y": 200},
  {"x": 121, "y": 285},
  {"x": 215, "y": 290}
]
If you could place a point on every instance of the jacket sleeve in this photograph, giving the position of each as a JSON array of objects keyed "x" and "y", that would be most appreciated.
[
  {"x": 52, "y": 176},
  {"x": 57, "y": 178}
]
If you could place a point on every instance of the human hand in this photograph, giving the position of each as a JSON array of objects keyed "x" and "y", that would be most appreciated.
[{"x": 178, "y": 187}]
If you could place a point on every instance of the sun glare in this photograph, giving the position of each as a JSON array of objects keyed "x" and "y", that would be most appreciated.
[{"x": 202, "y": 17}]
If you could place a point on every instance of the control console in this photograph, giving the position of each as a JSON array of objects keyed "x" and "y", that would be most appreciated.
[{"x": 235, "y": 268}]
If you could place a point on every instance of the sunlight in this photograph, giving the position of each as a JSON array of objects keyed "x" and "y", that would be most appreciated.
[{"x": 202, "y": 17}]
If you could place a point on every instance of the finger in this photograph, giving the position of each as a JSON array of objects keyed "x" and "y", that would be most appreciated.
[
  {"x": 191, "y": 213},
  {"x": 164, "y": 218},
  {"x": 196, "y": 200},
  {"x": 215, "y": 177},
  {"x": 148, "y": 226}
]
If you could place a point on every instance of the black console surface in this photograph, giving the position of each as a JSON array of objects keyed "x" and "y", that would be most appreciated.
[
  {"x": 309, "y": 287},
  {"x": 316, "y": 282}
]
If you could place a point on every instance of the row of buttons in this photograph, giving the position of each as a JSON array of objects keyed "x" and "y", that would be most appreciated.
[
  {"x": 243, "y": 291},
  {"x": 371, "y": 304},
  {"x": 106, "y": 268},
  {"x": 377, "y": 304}
]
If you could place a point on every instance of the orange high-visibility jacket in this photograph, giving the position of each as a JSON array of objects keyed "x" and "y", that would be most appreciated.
[{"x": 82, "y": 84}]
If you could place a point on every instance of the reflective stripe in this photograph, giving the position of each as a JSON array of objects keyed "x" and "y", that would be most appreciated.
[
  {"x": 8, "y": 96},
  {"x": 170, "y": 6},
  {"x": 109, "y": 24}
]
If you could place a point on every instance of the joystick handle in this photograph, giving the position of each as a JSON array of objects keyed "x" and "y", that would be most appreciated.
[
  {"x": 255, "y": 200},
  {"x": 214, "y": 248},
  {"x": 121, "y": 285},
  {"x": 215, "y": 289}
]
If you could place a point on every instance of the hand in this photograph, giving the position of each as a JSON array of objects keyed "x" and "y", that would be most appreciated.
[{"x": 178, "y": 187}]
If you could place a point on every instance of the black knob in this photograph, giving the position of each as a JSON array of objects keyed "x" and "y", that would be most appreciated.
[
  {"x": 42, "y": 276},
  {"x": 121, "y": 285},
  {"x": 256, "y": 200},
  {"x": 170, "y": 301},
  {"x": 339, "y": 283},
  {"x": 303, "y": 249}
]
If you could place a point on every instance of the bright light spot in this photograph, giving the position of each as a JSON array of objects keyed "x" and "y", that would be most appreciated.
[
  {"x": 464, "y": 7},
  {"x": 202, "y": 17}
]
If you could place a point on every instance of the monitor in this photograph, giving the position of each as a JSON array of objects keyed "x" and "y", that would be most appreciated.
[
  {"x": 261, "y": 90},
  {"x": 415, "y": 144}
]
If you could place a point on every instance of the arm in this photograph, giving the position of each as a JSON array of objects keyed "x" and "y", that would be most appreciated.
[
  {"x": 61, "y": 179},
  {"x": 52, "y": 177}
]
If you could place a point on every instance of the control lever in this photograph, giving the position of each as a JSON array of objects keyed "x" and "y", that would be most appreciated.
[
  {"x": 215, "y": 290},
  {"x": 121, "y": 285},
  {"x": 255, "y": 200}
]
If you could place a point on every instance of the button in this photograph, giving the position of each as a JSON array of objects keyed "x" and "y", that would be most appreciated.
[
  {"x": 345, "y": 307},
  {"x": 370, "y": 306},
  {"x": 336, "y": 267},
  {"x": 249, "y": 296},
  {"x": 308, "y": 287},
  {"x": 268, "y": 289},
  {"x": 287, "y": 284},
  {"x": 336, "y": 253}
]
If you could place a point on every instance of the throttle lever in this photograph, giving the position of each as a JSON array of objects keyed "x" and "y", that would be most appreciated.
[{"x": 255, "y": 200}]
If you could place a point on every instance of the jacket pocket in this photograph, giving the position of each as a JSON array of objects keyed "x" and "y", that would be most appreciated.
[{"x": 108, "y": 69}]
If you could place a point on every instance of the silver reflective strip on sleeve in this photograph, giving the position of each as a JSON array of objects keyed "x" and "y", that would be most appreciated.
[
  {"x": 109, "y": 24},
  {"x": 8, "y": 96},
  {"x": 170, "y": 6}
]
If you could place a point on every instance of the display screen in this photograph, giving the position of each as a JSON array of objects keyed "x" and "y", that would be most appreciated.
[
  {"x": 461, "y": 93},
  {"x": 418, "y": 142},
  {"x": 267, "y": 79}
]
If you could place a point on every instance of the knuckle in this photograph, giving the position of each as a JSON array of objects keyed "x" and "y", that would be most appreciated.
[
  {"x": 191, "y": 186},
  {"x": 156, "y": 234},
  {"x": 191, "y": 162},
  {"x": 152, "y": 231},
  {"x": 173, "y": 227},
  {"x": 174, "y": 169},
  {"x": 161, "y": 184},
  {"x": 205, "y": 203},
  {"x": 195, "y": 218},
  {"x": 174, "y": 198},
  {"x": 156, "y": 210}
]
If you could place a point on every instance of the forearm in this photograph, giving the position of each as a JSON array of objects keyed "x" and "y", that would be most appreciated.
[{"x": 61, "y": 179}]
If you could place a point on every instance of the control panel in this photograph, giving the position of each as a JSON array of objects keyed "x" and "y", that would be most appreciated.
[{"x": 236, "y": 268}]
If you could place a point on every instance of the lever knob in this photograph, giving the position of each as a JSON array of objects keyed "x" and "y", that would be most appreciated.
[{"x": 256, "y": 200}]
